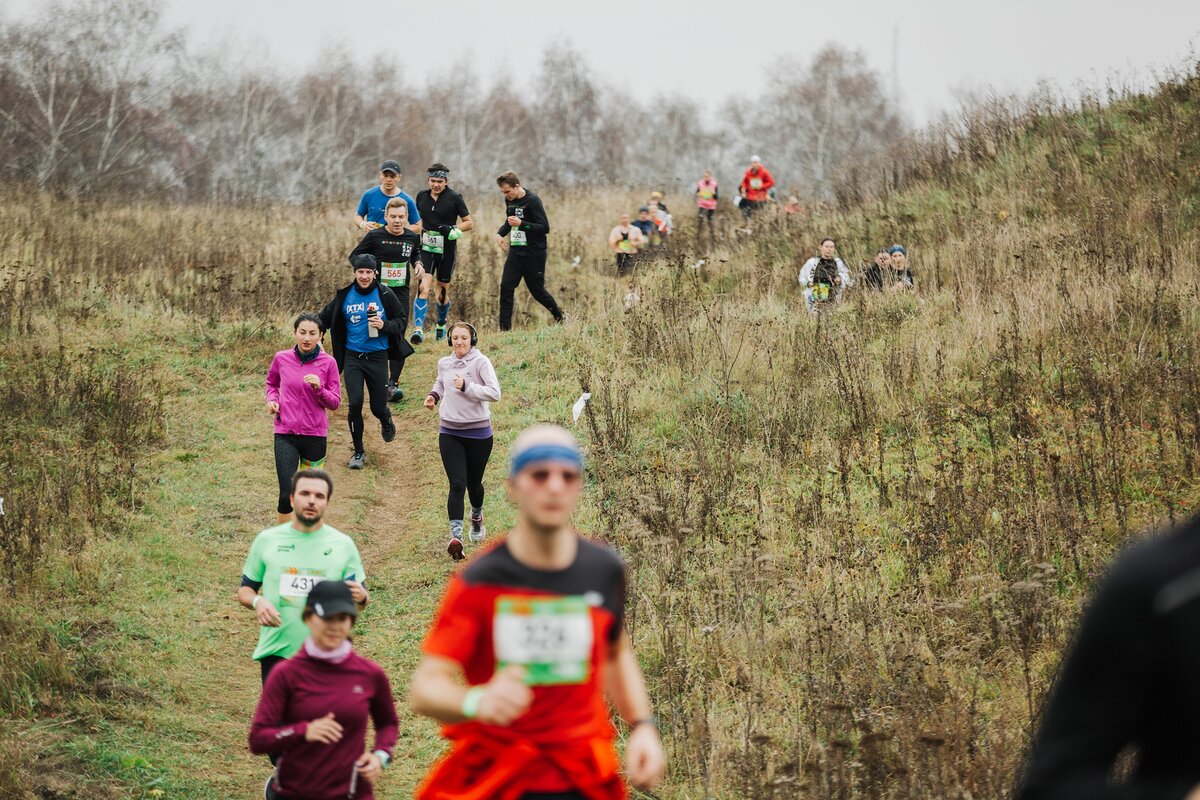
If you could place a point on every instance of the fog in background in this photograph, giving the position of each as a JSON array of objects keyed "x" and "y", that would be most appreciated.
[{"x": 245, "y": 101}]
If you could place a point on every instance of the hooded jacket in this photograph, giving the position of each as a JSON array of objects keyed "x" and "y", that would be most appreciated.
[{"x": 466, "y": 408}]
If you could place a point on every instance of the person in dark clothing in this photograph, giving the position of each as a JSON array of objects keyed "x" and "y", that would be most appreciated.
[
  {"x": 366, "y": 323},
  {"x": 890, "y": 270},
  {"x": 315, "y": 708},
  {"x": 446, "y": 219},
  {"x": 1128, "y": 683},
  {"x": 396, "y": 250},
  {"x": 523, "y": 237}
]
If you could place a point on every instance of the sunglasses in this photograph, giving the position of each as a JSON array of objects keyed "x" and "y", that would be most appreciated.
[{"x": 570, "y": 477}]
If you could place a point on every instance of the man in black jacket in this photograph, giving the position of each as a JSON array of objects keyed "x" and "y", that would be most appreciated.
[
  {"x": 523, "y": 236},
  {"x": 366, "y": 323},
  {"x": 1129, "y": 684},
  {"x": 397, "y": 252}
]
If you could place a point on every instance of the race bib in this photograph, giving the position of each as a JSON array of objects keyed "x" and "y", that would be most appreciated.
[
  {"x": 625, "y": 246},
  {"x": 297, "y": 583},
  {"x": 392, "y": 274},
  {"x": 306, "y": 464},
  {"x": 756, "y": 183},
  {"x": 821, "y": 292},
  {"x": 433, "y": 242},
  {"x": 518, "y": 238},
  {"x": 550, "y": 637},
  {"x": 706, "y": 194}
]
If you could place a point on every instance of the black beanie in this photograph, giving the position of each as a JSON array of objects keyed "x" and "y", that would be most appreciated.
[{"x": 364, "y": 261}]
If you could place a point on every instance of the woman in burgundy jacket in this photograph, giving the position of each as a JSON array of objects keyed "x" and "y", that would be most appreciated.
[{"x": 315, "y": 706}]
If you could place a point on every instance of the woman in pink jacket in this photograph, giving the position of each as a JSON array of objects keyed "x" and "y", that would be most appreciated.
[
  {"x": 465, "y": 385},
  {"x": 302, "y": 385}
]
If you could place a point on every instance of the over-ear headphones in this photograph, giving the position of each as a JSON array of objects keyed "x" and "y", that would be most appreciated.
[{"x": 468, "y": 326}]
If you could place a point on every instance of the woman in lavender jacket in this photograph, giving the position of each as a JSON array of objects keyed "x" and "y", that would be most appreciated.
[
  {"x": 302, "y": 385},
  {"x": 465, "y": 385}
]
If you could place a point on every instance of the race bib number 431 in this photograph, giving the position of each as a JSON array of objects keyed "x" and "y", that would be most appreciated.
[
  {"x": 297, "y": 583},
  {"x": 551, "y": 637}
]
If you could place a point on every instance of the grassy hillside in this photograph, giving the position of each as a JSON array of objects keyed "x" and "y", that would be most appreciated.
[{"x": 858, "y": 544}]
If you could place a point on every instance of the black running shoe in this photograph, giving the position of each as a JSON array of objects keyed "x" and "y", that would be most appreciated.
[{"x": 388, "y": 429}]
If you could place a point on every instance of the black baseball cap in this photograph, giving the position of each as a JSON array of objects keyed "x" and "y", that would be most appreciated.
[
  {"x": 329, "y": 598},
  {"x": 391, "y": 166}
]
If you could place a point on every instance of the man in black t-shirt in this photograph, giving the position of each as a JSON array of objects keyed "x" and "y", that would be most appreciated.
[
  {"x": 397, "y": 250},
  {"x": 445, "y": 217},
  {"x": 523, "y": 237}
]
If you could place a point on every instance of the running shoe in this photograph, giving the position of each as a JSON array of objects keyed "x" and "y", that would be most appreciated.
[
  {"x": 477, "y": 529},
  {"x": 441, "y": 332},
  {"x": 417, "y": 337},
  {"x": 388, "y": 429},
  {"x": 395, "y": 393},
  {"x": 358, "y": 460},
  {"x": 455, "y": 548}
]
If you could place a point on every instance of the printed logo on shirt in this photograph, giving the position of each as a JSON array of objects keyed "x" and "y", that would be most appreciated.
[
  {"x": 285, "y": 548},
  {"x": 330, "y": 550},
  {"x": 357, "y": 689},
  {"x": 352, "y": 312}
]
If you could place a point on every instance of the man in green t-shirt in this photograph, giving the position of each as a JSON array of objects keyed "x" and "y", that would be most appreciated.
[{"x": 286, "y": 561}]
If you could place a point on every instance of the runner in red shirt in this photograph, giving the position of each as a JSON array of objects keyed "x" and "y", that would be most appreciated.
[
  {"x": 534, "y": 629},
  {"x": 755, "y": 187}
]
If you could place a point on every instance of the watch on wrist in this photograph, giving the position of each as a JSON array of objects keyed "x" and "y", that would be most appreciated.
[{"x": 653, "y": 721}]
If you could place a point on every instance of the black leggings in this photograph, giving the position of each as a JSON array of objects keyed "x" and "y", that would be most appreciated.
[
  {"x": 464, "y": 460},
  {"x": 370, "y": 369},
  {"x": 290, "y": 448},
  {"x": 531, "y": 266}
]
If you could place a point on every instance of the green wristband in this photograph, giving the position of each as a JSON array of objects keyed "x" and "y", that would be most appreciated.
[{"x": 470, "y": 705}]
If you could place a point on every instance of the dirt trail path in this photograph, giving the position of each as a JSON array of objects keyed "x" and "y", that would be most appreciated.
[{"x": 393, "y": 511}]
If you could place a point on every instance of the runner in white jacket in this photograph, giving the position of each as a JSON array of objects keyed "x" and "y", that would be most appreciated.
[{"x": 828, "y": 253}]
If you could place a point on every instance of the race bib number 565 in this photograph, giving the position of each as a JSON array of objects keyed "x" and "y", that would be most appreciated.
[{"x": 551, "y": 637}]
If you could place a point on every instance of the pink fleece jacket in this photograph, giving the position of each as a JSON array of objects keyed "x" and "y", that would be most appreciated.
[
  {"x": 301, "y": 407},
  {"x": 466, "y": 408}
]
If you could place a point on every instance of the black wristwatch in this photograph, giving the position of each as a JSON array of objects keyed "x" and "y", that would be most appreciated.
[{"x": 646, "y": 721}]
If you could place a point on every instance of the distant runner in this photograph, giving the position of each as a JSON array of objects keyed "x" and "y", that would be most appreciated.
[
  {"x": 664, "y": 225},
  {"x": 707, "y": 195},
  {"x": 534, "y": 628},
  {"x": 755, "y": 187},
  {"x": 441, "y": 208},
  {"x": 396, "y": 250},
  {"x": 523, "y": 238},
  {"x": 366, "y": 323},
  {"x": 314, "y": 709},
  {"x": 901, "y": 274},
  {"x": 625, "y": 241},
  {"x": 302, "y": 386},
  {"x": 287, "y": 561},
  {"x": 372, "y": 206},
  {"x": 466, "y": 384},
  {"x": 644, "y": 223},
  {"x": 824, "y": 276}
]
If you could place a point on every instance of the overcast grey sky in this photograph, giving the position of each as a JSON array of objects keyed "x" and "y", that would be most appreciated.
[{"x": 713, "y": 50}]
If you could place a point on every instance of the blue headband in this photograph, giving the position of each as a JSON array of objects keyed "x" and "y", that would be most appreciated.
[
  {"x": 898, "y": 249},
  {"x": 561, "y": 453}
]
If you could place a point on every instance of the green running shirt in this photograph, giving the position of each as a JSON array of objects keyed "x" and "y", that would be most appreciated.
[{"x": 288, "y": 564}]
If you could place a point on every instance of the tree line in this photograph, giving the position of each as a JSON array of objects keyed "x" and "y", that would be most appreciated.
[{"x": 102, "y": 97}]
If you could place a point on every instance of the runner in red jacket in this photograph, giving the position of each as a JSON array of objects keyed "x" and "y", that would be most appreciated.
[
  {"x": 534, "y": 628},
  {"x": 755, "y": 186}
]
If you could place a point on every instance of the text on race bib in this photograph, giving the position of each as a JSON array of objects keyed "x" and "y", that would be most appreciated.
[
  {"x": 433, "y": 242},
  {"x": 625, "y": 246},
  {"x": 706, "y": 194},
  {"x": 392, "y": 274},
  {"x": 756, "y": 183},
  {"x": 551, "y": 637},
  {"x": 296, "y": 583},
  {"x": 518, "y": 238}
]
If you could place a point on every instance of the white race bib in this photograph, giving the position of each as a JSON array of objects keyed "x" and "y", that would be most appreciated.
[
  {"x": 392, "y": 274},
  {"x": 518, "y": 238},
  {"x": 293, "y": 584},
  {"x": 433, "y": 242},
  {"x": 756, "y": 183},
  {"x": 551, "y": 637}
]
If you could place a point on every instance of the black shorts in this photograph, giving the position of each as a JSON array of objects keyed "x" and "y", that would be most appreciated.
[
  {"x": 705, "y": 213},
  {"x": 440, "y": 265}
]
